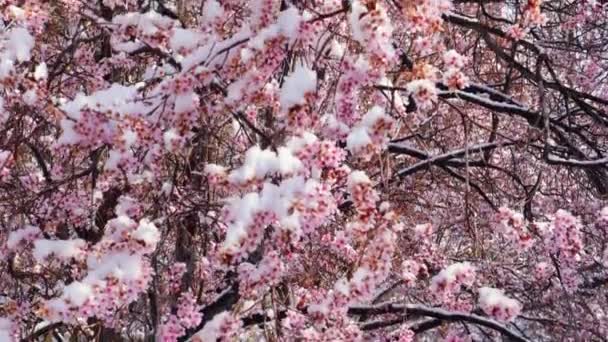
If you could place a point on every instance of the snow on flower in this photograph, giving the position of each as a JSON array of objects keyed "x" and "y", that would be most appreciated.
[
  {"x": 62, "y": 249},
  {"x": 19, "y": 45},
  {"x": 450, "y": 279},
  {"x": 452, "y": 58},
  {"x": 297, "y": 84},
  {"x": 514, "y": 228},
  {"x": 423, "y": 91},
  {"x": 371, "y": 133},
  {"x": 41, "y": 72},
  {"x": 222, "y": 327},
  {"x": 372, "y": 29},
  {"x": 27, "y": 233},
  {"x": 494, "y": 303},
  {"x": 6, "y": 330},
  {"x": 212, "y": 10}
]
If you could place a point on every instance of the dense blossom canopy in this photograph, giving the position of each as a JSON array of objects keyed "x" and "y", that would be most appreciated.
[{"x": 303, "y": 170}]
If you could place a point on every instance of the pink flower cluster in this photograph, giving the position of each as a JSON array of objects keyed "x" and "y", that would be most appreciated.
[
  {"x": 453, "y": 76},
  {"x": 513, "y": 226},
  {"x": 187, "y": 316},
  {"x": 566, "y": 238},
  {"x": 255, "y": 280}
]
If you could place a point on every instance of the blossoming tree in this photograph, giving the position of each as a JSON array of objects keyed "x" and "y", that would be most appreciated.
[{"x": 304, "y": 170}]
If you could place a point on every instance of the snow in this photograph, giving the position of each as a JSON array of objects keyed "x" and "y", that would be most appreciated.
[
  {"x": 183, "y": 39},
  {"x": 77, "y": 293},
  {"x": 297, "y": 143},
  {"x": 274, "y": 202},
  {"x": 170, "y": 137},
  {"x": 373, "y": 116},
  {"x": 20, "y": 43},
  {"x": 205, "y": 54},
  {"x": 288, "y": 163},
  {"x": 211, "y": 332},
  {"x": 337, "y": 49},
  {"x": 260, "y": 163},
  {"x": 357, "y": 139},
  {"x": 186, "y": 102},
  {"x": 126, "y": 47},
  {"x": 122, "y": 265},
  {"x": 373, "y": 34},
  {"x": 129, "y": 137},
  {"x": 26, "y": 233},
  {"x": 453, "y": 276},
  {"x": 333, "y": 125},
  {"x": 419, "y": 86},
  {"x": 41, "y": 72},
  {"x": 494, "y": 303},
  {"x": 297, "y": 84},
  {"x": 357, "y": 10},
  {"x": 211, "y": 11},
  {"x": 30, "y": 97},
  {"x": 578, "y": 162},
  {"x": 147, "y": 233},
  {"x": 62, "y": 249},
  {"x": 17, "y": 12},
  {"x": 5, "y": 330},
  {"x": 289, "y": 23},
  {"x": 149, "y": 23},
  {"x": 356, "y": 178},
  {"x": 114, "y": 158},
  {"x": 235, "y": 91},
  {"x": 68, "y": 135},
  {"x": 214, "y": 169},
  {"x": 368, "y": 131},
  {"x": 117, "y": 98},
  {"x": 6, "y": 66}
]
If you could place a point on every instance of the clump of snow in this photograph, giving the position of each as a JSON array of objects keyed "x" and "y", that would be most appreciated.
[
  {"x": 6, "y": 333},
  {"x": 289, "y": 23},
  {"x": 356, "y": 178},
  {"x": 183, "y": 39},
  {"x": 494, "y": 303},
  {"x": 451, "y": 278},
  {"x": 260, "y": 163},
  {"x": 62, "y": 249},
  {"x": 6, "y": 66},
  {"x": 297, "y": 84},
  {"x": 370, "y": 133},
  {"x": 212, "y": 10},
  {"x": 69, "y": 136},
  {"x": 30, "y": 97},
  {"x": 17, "y": 12},
  {"x": 149, "y": 23},
  {"x": 171, "y": 138},
  {"x": 356, "y": 12},
  {"x": 186, "y": 102},
  {"x": 423, "y": 91},
  {"x": 27, "y": 233},
  {"x": 77, "y": 293},
  {"x": 41, "y": 72},
  {"x": 147, "y": 233},
  {"x": 20, "y": 44},
  {"x": 357, "y": 139}
]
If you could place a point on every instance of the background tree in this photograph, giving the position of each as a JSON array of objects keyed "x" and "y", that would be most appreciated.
[{"x": 303, "y": 170}]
